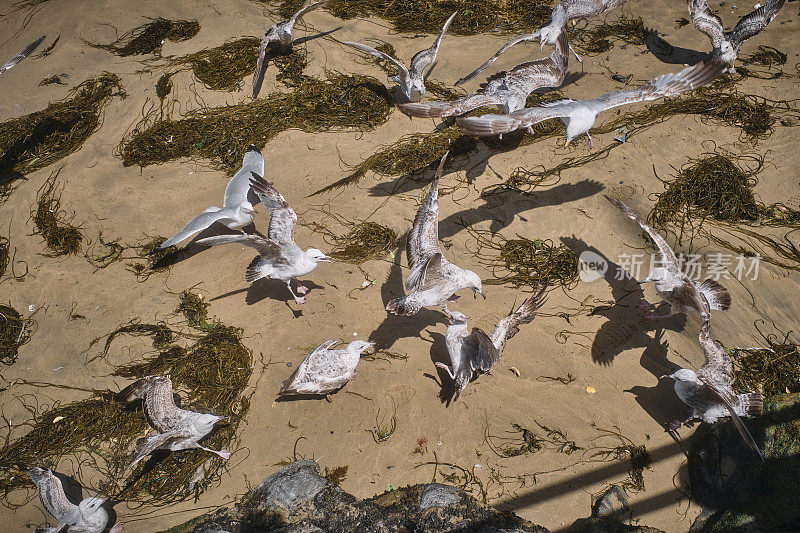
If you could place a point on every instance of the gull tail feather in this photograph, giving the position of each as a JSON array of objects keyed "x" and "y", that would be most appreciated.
[{"x": 718, "y": 296}]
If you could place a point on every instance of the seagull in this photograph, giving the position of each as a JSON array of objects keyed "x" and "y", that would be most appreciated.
[
  {"x": 177, "y": 429},
  {"x": 726, "y": 44},
  {"x": 674, "y": 286},
  {"x": 89, "y": 516},
  {"x": 281, "y": 35},
  {"x": 579, "y": 115},
  {"x": 506, "y": 90},
  {"x": 709, "y": 391},
  {"x": 22, "y": 55},
  {"x": 236, "y": 212},
  {"x": 411, "y": 81},
  {"x": 278, "y": 255},
  {"x": 477, "y": 351},
  {"x": 433, "y": 278},
  {"x": 548, "y": 34},
  {"x": 324, "y": 371}
]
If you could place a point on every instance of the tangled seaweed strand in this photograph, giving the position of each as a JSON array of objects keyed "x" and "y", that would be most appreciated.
[
  {"x": 211, "y": 374},
  {"x": 14, "y": 332},
  {"x": 772, "y": 370},
  {"x": 34, "y": 141},
  {"x": 766, "y": 56},
  {"x": 224, "y": 67},
  {"x": 637, "y": 455},
  {"x": 155, "y": 260},
  {"x": 52, "y": 223},
  {"x": 5, "y": 255},
  {"x": 149, "y": 38},
  {"x": 594, "y": 39},
  {"x": 221, "y": 134},
  {"x": 367, "y": 240},
  {"x": 524, "y": 441},
  {"x": 55, "y": 78},
  {"x": 416, "y": 16}
]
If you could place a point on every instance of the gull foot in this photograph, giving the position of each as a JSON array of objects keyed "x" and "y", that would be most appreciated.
[
  {"x": 328, "y": 397},
  {"x": 646, "y": 307},
  {"x": 454, "y": 298},
  {"x": 225, "y": 455},
  {"x": 675, "y": 425},
  {"x": 299, "y": 300},
  {"x": 589, "y": 144},
  {"x": 302, "y": 289}
]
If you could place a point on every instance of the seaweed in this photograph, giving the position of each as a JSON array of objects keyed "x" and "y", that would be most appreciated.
[
  {"x": 149, "y": 38},
  {"x": 766, "y": 56},
  {"x": 55, "y": 78},
  {"x": 774, "y": 369},
  {"x": 34, "y": 141},
  {"x": 14, "y": 332},
  {"x": 523, "y": 441},
  {"x": 364, "y": 241},
  {"x": 340, "y": 102},
  {"x": 49, "y": 50},
  {"x": 155, "y": 259},
  {"x": 594, "y": 39},
  {"x": 637, "y": 455},
  {"x": 337, "y": 475},
  {"x": 193, "y": 309},
  {"x": 223, "y": 68},
  {"x": 5, "y": 255},
  {"x": 52, "y": 222}
]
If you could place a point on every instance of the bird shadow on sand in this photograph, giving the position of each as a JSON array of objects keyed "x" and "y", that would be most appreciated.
[
  {"x": 193, "y": 248},
  {"x": 439, "y": 355},
  {"x": 677, "y": 55},
  {"x": 274, "y": 289}
]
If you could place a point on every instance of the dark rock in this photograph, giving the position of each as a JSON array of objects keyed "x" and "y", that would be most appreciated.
[{"x": 612, "y": 502}]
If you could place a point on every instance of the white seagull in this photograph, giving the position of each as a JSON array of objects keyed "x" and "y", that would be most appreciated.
[
  {"x": 324, "y": 371},
  {"x": 176, "y": 428},
  {"x": 22, "y": 55},
  {"x": 548, "y": 34},
  {"x": 709, "y": 391},
  {"x": 579, "y": 115},
  {"x": 672, "y": 284},
  {"x": 726, "y": 44},
  {"x": 236, "y": 211},
  {"x": 433, "y": 278},
  {"x": 281, "y": 35},
  {"x": 478, "y": 352},
  {"x": 507, "y": 90},
  {"x": 89, "y": 516},
  {"x": 411, "y": 80},
  {"x": 278, "y": 257}
]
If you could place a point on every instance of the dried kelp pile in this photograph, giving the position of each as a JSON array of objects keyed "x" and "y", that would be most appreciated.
[
  {"x": 524, "y": 262},
  {"x": 151, "y": 259},
  {"x": 594, "y": 38},
  {"x": 221, "y": 134},
  {"x": 14, "y": 332},
  {"x": 34, "y": 141},
  {"x": 416, "y": 16},
  {"x": 522, "y": 441},
  {"x": 771, "y": 370},
  {"x": 766, "y": 56},
  {"x": 149, "y": 38},
  {"x": 53, "y": 223},
  {"x": 223, "y": 68},
  {"x": 210, "y": 375},
  {"x": 365, "y": 241},
  {"x": 636, "y": 454}
]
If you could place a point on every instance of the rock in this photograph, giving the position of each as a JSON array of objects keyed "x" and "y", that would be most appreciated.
[
  {"x": 612, "y": 502},
  {"x": 438, "y": 495}
]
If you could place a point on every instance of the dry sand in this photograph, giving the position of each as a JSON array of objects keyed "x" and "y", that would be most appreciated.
[{"x": 130, "y": 203}]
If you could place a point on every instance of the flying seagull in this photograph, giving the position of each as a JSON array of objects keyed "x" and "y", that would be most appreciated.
[
  {"x": 673, "y": 285},
  {"x": 324, "y": 371},
  {"x": 709, "y": 391},
  {"x": 278, "y": 255},
  {"x": 433, "y": 278},
  {"x": 22, "y": 55},
  {"x": 726, "y": 44},
  {"x": 89, "y": 516},
  {"x": 548, "y": 34},
  {"x": 411, "y": 81},
  {"x": 507, "y": 90},
  {"x": 236, "y": 211},
  {"x": 279, "y": 36},
  {"x": 477, "y": 352},
  {"x": 579, "y": 115},
  {"x": 176, "y": 428}
]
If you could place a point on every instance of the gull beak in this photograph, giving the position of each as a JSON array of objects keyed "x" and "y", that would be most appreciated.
[
  {"x": 566, "y": 143},
  {"x": 476, "y": 293},
  {"x": 665, "y": 376},
  {"x": 327, "y": 259}
]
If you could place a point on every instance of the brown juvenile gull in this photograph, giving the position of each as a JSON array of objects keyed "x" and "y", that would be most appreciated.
[
  {"x": 236, "y": 211},
  {"x": 89, "y": 516},
  {"x": 412, "y": 80},
  {"x": 324, "y": 371},
  {"x": 507, "y": 90},
  {"x": 548, "y": 34},
  {"x": 22, "y": 55},
  {"x": 579, "y": 115},
  {"x": 177, "y": 429},
  {"x": 477, "y": 352},
  {"x": 433, "y": 278},
  {"x": 279, "y": 36},
  {"x": 278, "y": 255},
  {"x": 674, "y": 286},
  {"x": 709, "y": 391},
  {"x": 726, "y": 44}
]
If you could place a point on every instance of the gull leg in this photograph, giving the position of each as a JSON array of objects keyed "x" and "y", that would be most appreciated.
[
  {"x": 576, "y": 53},
  {"x": 447, "y": 369},
  {"x": 530, "y": 130},
  {"x": 589, "y": 143},
  {"x": 222, "y": 453},
  {"x": 301, "y": 289},
  {"x": 297, "y": 299},
  {"x": 328, "y": 397}
]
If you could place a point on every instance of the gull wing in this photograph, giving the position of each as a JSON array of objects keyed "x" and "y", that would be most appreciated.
[
  {"x": 479, "y": 351},
  {"x": 196, "y": 225},
  {"x": 707, "y": 22},
  {"x": 22, "y": 55},
  {"x": 424, "y": 58},
  {"x": 488, "y": 62},
  {"x": 728, "y": 399},
  {"x": 667, "y": 255},
  {"x": 51, "y": 492},
  {"x": 754, "y": 22},
  {"x": 305, "y": 9},
  {"x": 282, "y": 218},
  {"x": 423, "y": 239},
  {"x": 447, "y": 108},
  {"x": 239, "y": 185},
  {"x": 261, "y": 63},
  {"x": 494, "y": 124},
  {"x": 266, "y": 248},
  {"x": 525, "y": 313},
  {"x": 289, "y": 385},
  {"x": 718, "y": 368},
  {"x": 381, "y": 55}
]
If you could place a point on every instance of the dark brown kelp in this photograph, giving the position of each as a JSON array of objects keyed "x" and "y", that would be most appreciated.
[
  {"x": 365, "y": 241},
  {"x": 53, "y": 223},
  {"x": 771, "y": 370},
  {"x": 521, "y": 441},
  {"x": 14, "y": 332},
  {"x": 224, "y": 67},
  {"x": 149, "y": 38},
  {"x": 595, "y": 38}
]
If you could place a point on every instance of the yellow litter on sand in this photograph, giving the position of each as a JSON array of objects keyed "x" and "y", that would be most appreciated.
[
  {"x": 591, "y": 390},
  {"x": 58, "y": 419},
  {"x": 515, "y": 370}
]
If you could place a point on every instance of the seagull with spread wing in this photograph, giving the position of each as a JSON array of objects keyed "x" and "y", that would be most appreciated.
[
  {"x": 176, "y": 428},
  {"x": 278, "y": 256},
  {"x": 22, "y": 55},
  {"x": 709, "y": 391},
  {"x": 410, "y": 80},
  {"x": 433, "y": 279},
  {"x": 324, "y": 371},
  {"x": 564, "y": 12},
  {"x": 579, "y": 115},
  {"x": 507, "y": 90},
  {"x": 89, "y": 516},
  {"x": 236, "y": 211},
  {"x": 726, "y": 44},
  {"x": 672, "y": 284},
  {"x": 477, "y": 352},
  {"x": 279, "y": 36}
]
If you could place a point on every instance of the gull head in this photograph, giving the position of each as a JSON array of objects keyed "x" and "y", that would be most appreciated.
[
  {"x": 247, "y": 208},
  {"x": 474, "y": 283},
  {"x": 317, "y": 255},
  {"x": 360, "y": 346},
  {"x": 205, "y": 422},
  {"x": 549, "y": 35},
  {"x": 684, "y": 374},
  {"x": 92, "y": 507},
  {"x": 457, "y": 317}
]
